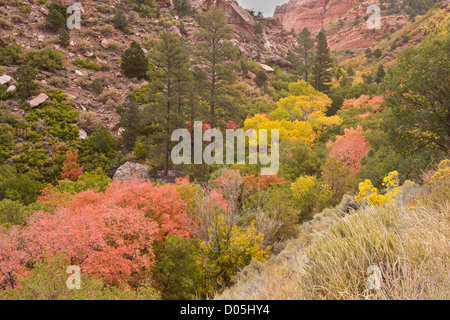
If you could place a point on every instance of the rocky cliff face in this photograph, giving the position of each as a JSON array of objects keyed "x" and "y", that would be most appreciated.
[
  {"x": 312, "y": 14},
  {"x": 342, "y": 20},
  {"x": 275, "y": 39}
]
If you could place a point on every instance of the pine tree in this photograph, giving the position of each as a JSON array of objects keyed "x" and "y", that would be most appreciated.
[
  {"x": 130, "y": 121},
  {"x": 322, "y": 64},
  {"x": 64, "y": 37},
  {"x": 305, "y": 51},
  {"x": 171, "y": 57},
  {"x": 134, "y": 62},
  {"x": 26, "y": 85},
  {"x": 216, "y": 56},
  {"x": 380, "y": 74},
  {"x": 120, "y": 21}
]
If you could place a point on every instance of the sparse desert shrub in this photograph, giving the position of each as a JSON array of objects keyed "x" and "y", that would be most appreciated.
[
  {"x": 83, "y": 46},
  {"x": 46, "y": 59},
  {"x": 16, "y": 19},
  {"x": 106, "y": 30},
  {"x": 25, "y": 9},
  {"x": 114, "y": 45},
  {"x": 89, "y": 121},
  {"x": 111, "y": 94},
  {"x": 97, "y": 85},
  {"x": 58, "y": 82},
  {"x": 87, "y": 64},
  {"x": 4, "y": 24}
]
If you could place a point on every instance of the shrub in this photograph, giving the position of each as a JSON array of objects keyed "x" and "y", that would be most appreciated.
[
  {"x": 64, "y": 37},
  {"x": 46, "y": 59},
  {"x": 22, "y": 187},
  {"x": 146, "y": 8},
  {"x": 87, "y": 64},
  {"x": 57, "y": 16},
  {"x": 97, "y": 85},
  {"x": 120, "y": 21},
  {"x": 107, "y": 29},
  {"x": 47, "y": 281},
  {"x": 4, "y": 24},
  {"x": 25, "y": 9},
  {"x": 9, "y": 54}
]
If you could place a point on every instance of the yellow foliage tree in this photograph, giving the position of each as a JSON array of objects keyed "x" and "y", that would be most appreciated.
[{"x": 300, "y": 116}]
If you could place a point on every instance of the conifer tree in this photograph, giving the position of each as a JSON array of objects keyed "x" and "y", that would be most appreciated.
[
  {"x": 305, "y": 51},
  {"x": 380, "y": 74},
  {"x": 134, "y": 62},
  {"x": 216, "y": 56},
  {"x": 171, "y": 57},
  {"x": 120, "y": 21},
  {"x": 322, "y": 64}
]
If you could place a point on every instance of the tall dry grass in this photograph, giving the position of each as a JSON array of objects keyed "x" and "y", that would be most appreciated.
[{"x": 409, "y": 243}]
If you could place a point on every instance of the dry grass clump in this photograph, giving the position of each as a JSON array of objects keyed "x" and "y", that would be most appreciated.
[{"x": 409, "y": 243}]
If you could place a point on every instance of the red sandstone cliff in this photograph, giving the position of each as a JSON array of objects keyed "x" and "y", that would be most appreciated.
[{"x": 312, "y": 14}]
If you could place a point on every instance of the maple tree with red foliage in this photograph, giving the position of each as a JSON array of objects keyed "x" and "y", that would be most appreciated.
[
  {"x": 71, "y": 169},
  {"x": 112, "y": 235},
  {"x": 350, "y": 148}
]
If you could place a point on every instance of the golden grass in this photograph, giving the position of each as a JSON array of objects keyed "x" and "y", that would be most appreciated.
[{"x": 410, "y": 244}]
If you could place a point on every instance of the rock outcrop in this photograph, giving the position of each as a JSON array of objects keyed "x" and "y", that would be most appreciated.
[
  {"x": 312, "y": 14},
  {"x": 277, "y": 41},
  {"x": 131, "y": 171},
  {"x": 37, "y": 101}
]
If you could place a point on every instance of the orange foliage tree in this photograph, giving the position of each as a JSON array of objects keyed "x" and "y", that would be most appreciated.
[
  {"x": 112, "y": 235},
  {"x": 350, "y": 148},
  {"x": 70, "y": 169}
]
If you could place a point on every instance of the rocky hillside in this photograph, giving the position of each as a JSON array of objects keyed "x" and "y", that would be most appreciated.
[
  {"x": 345, "y": 20},
  {"x": 24, "y": 23}
]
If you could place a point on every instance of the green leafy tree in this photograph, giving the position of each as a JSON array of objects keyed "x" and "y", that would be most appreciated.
[
  {"x": 134, "y": 62},
  {"x": 418, "y": 99},
  {"x": 130, "y": 121},
  {"x": 22, "y": 187},
  {"x": 216, "y": 55},
  {"x": 177, "y": 273},
  {"x": 322, "y": 64},
  {"x": 99, "y": 150}
]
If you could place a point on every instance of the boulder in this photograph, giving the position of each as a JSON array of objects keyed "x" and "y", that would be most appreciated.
[
  {"x": 82, "y": 134},
  {"x": 4, "y": 79},
  {"x": 105, "y": 44},
  {"x": 266, "y": 68},
  {"x": 37, "y": 101},
  {"x": 132, "y": 171},
  {"x": 11, "y": 89}
]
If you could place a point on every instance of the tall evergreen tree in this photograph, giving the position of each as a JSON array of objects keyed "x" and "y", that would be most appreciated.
[
  {"x": 322, "y": 64},
  {"x": 380, "y": 74},
  {"x": 134, "y": 62},
  {"x": 305, "y": 51},
  {"x": 130, "y": 121},
  {"x": 171, "y": 57},
  {"x": 216, "y": 57}
]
